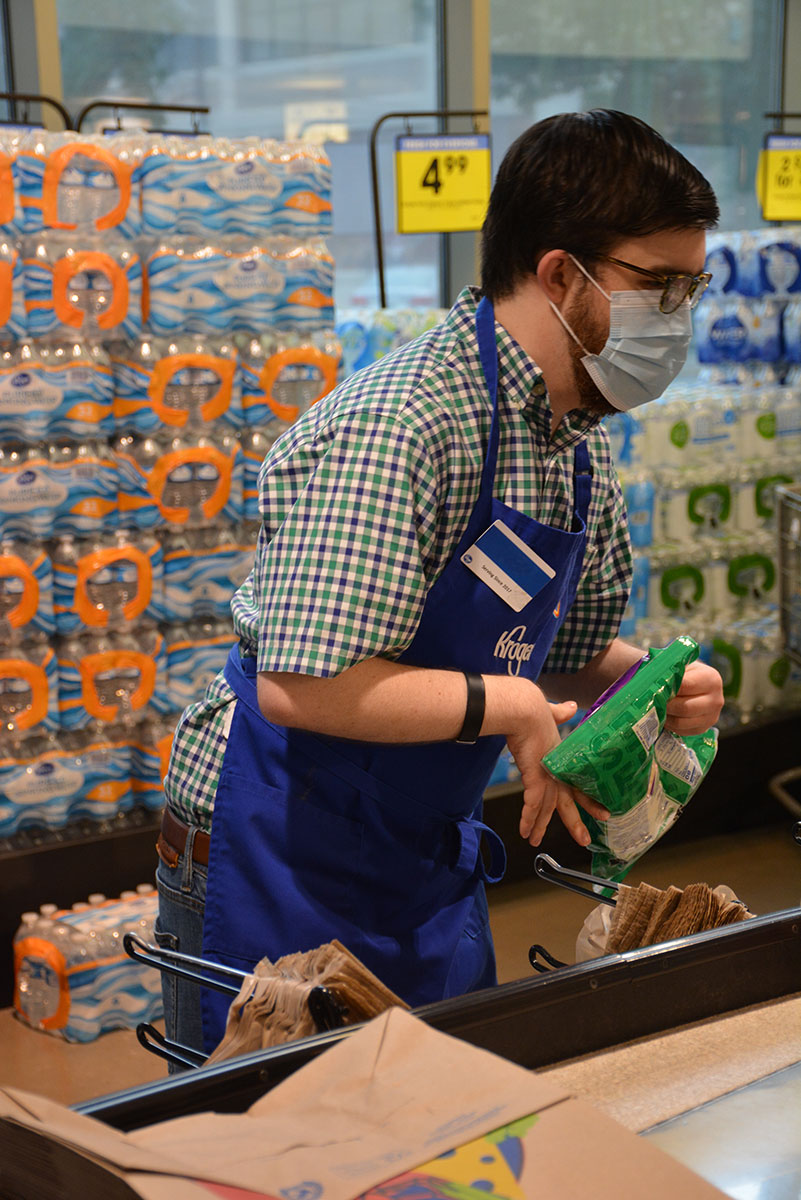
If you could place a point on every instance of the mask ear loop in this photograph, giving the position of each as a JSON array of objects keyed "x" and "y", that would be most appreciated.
[{"x": 564, "y": 323}]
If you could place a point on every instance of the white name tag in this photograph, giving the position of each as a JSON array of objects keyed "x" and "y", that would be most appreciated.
[{"x": 508, "y": 566}]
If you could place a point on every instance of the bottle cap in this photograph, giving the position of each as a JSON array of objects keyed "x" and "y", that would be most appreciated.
[{"x": 96, "y": 898}]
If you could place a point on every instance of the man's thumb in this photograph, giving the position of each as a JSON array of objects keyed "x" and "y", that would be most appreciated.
[{"x": 564, "y": 711}]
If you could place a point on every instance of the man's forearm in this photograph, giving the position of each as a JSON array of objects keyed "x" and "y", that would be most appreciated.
[
  {"x": 382, "y": 701},
  {"x": 586, "y": 685}
]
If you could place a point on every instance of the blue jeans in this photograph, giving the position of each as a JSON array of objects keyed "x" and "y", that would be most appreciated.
[{"x": 182, "y": 900}]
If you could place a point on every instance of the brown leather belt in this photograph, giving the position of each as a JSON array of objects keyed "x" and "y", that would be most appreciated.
[{"x": 172, "y": 841}]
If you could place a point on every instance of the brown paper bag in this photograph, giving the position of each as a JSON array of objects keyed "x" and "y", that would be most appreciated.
[{"x": 383, "y": 1104}]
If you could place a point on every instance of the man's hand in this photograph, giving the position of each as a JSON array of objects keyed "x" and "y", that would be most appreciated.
[
  {"x": 542, "y": 794},
  {"x": 697, "y": 704}
]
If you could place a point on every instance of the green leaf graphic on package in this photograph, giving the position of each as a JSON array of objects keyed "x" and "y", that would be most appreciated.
[{"x": 622, "y": 755}]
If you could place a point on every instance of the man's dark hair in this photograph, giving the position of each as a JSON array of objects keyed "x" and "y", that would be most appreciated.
[{"x": 583, "y": 182}]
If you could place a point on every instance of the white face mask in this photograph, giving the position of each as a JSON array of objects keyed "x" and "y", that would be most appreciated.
[{"x": 645, "y": 349}]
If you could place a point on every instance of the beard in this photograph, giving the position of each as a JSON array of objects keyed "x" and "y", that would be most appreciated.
[{"x": 592, "y": 332}]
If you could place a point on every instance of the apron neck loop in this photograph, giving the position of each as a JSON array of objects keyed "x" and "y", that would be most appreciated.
[
  {"x": 488, "y": 351},
  {"x": 582, "y": 480}
]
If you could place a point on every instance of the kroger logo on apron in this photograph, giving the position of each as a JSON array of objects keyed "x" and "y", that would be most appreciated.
[{"x": 511, "y": 648}]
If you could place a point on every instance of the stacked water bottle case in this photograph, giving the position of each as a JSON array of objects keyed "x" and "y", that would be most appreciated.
[
  {"x": 168, "y": 312},
  {"x": 700, "y": 468}
]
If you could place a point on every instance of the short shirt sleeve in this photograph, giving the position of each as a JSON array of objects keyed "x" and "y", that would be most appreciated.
[
  {"x": 344, "y": 575},
  {"x": 604, "y": 586}
]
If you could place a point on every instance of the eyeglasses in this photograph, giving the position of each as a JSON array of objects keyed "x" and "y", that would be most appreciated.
[{"x": 676, "y": 288}]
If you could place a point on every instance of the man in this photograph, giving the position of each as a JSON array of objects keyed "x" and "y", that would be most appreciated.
[{"x": 439, "y": 533}]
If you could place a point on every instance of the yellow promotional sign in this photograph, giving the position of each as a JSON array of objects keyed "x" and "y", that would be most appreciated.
[
  {"x": 778, "y": 181},
  {"x": 442, "y": 182}
]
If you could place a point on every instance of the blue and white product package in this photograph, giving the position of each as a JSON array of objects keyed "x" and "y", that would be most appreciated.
[
  {"x": 779, "y": 252},
  {"x": 82, "y": 286},
  {"x": 64, "y": 487},
  {"x": 72, "y": 975},
  {"x": 637, "y": 607},
  {"x": 693, "y": 505},
  {"x": 202, "y": 570},
  {"x": 712, "y": 422},
  {"x": 640, "y": 496},
  {"x": 13, "y": 318},
  {"x": 627, "y": 440},
  {"x": 196, "y": 653},
  {"x": 26, "y": 589},
  {"x": 351, "y": 330},
  {"x": 11, "y": 223},
  {"x": 150, "y": 758},
  {"x": 185, "y": 381},
  {"x": 255, "y": 447},
  {"x": 28, "y": 692},
  {"x": 791, "y": 331},
  {"x": 55, "y": 389},
  {"x": 112, "y": 678},
  {"x": 721, "y": 261},
  {"x": 249, "y": 186},
  {"x": 109, "y": 582},
  {"x": 181, "y": 480},
  {"x": 237, "y": 285},
  {"x": 74, "y": 778},
  {"x": 73, "y": 181},
  {"x": 722, "y": 331},
  {"x": 765, "y": 331},
  {"x": 284, "y": 374}
]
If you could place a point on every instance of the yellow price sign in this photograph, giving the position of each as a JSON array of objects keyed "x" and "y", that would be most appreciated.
[
  {"x": 778, "y": 182},
  {"x": 442, "y": 182}
]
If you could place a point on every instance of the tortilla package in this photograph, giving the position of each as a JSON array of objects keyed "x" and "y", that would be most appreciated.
[{"x": 622, "y": 755}]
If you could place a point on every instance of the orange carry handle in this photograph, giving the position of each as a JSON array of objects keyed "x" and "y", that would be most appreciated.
[
  {"x": 6, "y": 189},
  {"x": 55, "y": 164},
  {"x": 92, "y": 665},
  {"x": 89, "y": 612},
  {"x": 204, "y": 454},
  {"x": 36, "y": 947},
  {"x": 89, "y": 260},
  {"x": 14, "y": 567},
  {"x": 7, "y": 289},
  {"x": 311, "y": 356},
  {"x": 166, "y": 368},
  {"x": 36, "y": 676}
]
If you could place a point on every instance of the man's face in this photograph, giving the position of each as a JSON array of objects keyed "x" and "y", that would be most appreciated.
[{"x": 587, "y": 311}]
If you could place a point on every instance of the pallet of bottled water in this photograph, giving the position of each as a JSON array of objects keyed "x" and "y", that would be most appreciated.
[{"x": 72, "y": 976}]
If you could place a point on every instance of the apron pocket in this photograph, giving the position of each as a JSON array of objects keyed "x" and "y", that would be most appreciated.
[{"x": 287, "y": 867}]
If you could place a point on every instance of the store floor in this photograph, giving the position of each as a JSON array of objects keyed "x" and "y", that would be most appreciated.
[{"x": 763, "y": 867}]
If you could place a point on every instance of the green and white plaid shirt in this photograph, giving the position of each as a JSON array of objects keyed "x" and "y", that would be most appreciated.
[{"x": 364, "y": 500}]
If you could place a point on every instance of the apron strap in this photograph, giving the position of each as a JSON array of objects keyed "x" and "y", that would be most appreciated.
[
  {"x": 488, "y": 352},
  {"x": 469, "y": 830},
  {"x": 582, "y": 480}
]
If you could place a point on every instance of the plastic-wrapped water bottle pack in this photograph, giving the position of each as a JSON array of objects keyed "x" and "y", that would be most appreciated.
[{"x": 168, "y": 314}]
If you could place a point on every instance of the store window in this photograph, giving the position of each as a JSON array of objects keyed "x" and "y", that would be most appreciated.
[
  {"x": 278, "y": 68},
  {"x": 702, "y": 74}
]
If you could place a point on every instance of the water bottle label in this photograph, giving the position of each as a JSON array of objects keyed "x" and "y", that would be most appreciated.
[
  {"x": 245, "y": 179},
  {"x": 29, "y": 500},
  {"x": 39, "y": 783},
  {"x": 269, "y": 189},
  {"x": 72, "y": 400},
  {"x": 219, "y": 292},
  {"x": 13, "y": 320},
  {"x": 149, "y": 765},
  {"x": 202, "y": 583},
  {"x": 192, "y": 665}
]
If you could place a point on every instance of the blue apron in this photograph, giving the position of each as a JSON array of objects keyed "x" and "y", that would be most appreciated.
[{"x": 315, "y": 838}]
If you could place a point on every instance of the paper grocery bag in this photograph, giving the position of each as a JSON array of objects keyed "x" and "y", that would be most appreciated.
[{"x": 394, "y": 1107}]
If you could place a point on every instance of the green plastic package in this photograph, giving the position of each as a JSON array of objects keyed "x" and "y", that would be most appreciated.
[{"x": 622, "y": 755}]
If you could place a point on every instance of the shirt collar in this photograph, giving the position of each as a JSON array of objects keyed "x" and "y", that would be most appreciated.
[{"x": 519, "y": 377}]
